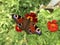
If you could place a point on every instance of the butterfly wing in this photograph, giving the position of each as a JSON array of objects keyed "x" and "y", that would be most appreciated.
[
  {"x": 18, "y": 19},
  {"x": 26, "y": 25},
  {"x": 33, "y": 29}
]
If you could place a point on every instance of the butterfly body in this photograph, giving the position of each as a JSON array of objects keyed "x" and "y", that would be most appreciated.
[{"x": 26, "y": 24}]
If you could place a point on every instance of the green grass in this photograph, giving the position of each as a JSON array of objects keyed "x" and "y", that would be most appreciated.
[{"x": 8, "y": 35}]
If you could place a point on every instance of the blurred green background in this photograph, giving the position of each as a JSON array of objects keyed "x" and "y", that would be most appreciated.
[{"x": 8, "y": 35}]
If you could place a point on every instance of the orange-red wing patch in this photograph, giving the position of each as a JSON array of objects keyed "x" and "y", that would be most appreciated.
[
  {"x": 31, "y": 16},
  {"x": 20, "y": 20},
  {"x": 32, "y": 28}
]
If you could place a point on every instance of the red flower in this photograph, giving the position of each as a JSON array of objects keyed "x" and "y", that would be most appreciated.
[
  {"x": 52, "y": 26},
  {"x": 18, "y": 29},
  {"x": 31, "y": 16},
  {"x": 54, "y": 21}
]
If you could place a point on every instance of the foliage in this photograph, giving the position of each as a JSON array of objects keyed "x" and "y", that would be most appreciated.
[{"x": 8, "y": 35}]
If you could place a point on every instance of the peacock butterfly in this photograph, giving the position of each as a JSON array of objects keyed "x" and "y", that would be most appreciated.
[{"x": 27, "y": 23}]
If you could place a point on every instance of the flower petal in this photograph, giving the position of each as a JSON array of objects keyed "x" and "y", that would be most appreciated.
[
  {"x": 54, "y": 21},
  {"x": 48, "y": 23},
  {"x": 18, "y": 29},
  {"x": 53, "y": 27}
]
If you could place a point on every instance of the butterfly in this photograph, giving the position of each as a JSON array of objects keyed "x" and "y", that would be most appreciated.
[{"x": 27, "y": 23}]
